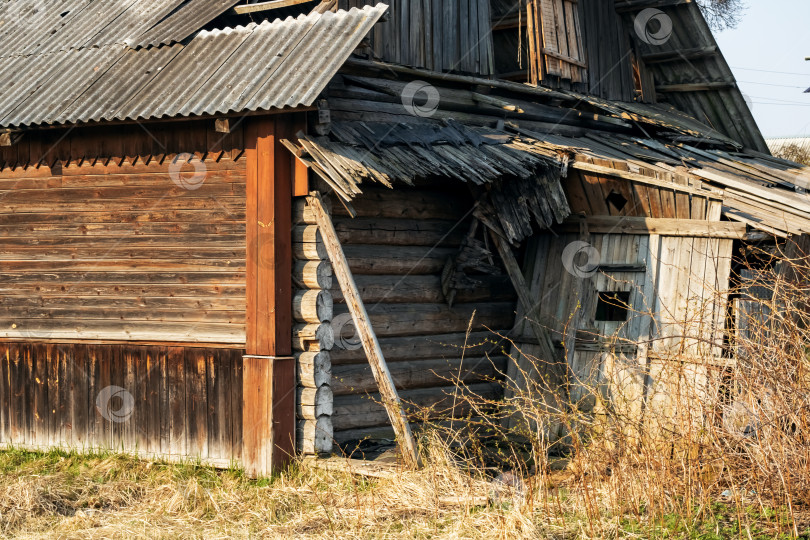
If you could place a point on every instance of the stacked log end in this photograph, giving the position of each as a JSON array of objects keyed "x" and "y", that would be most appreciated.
[{"x": 313, "y": 336}]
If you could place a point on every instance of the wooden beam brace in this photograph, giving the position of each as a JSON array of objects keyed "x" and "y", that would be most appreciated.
[
  {"x": 362, "y": 322},
  {"x": 648, "y": 180},
  {"x": 267, "y": 6},
  {"x": 694, "y": 87},
  {"x": 660, "y": 226},
  {"x": 522, "y": 288},
  {"x": 679, "y": 55}
]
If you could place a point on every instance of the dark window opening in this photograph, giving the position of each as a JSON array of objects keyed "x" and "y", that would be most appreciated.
[
  {"x": 616, "y": 199},
  {"x": 613, "y": 306}
]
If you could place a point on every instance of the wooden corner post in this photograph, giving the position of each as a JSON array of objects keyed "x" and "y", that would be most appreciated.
[{"x": 268, "y": 413}]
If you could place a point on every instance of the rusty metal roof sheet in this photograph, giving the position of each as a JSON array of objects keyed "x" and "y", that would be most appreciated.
[
  {"x": 248, "y": 68},
  {"x": 29, "y": 27}
]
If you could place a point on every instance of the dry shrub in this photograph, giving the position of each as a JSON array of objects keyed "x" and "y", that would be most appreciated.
[
  {"x": 706, "y": 435},
  {"x": 794, "y": 152}
]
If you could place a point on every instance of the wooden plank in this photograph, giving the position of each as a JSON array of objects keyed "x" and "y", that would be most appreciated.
[
  {"x": 176, "y": 413},
  {"x": 648, "y": 180},
  {"x": 196, "y": 402},
  {"x": 4, "y": 392},
  {"x": 44, "y": 370},
  {"x": 65, "y": 357},
  {"x": 370, "y": 344},
  {"x": 660, "y": 226},
  {"x": 267, "y": 6}
]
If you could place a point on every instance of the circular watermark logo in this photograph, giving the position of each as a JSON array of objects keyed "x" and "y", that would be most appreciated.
[
  {"x": 25, "y": 13},
  {"x": 346, "y": 335},
  {"x": 653, "y": 26},
  {"x": 115, "y": 404},
  {"x": 581, "y": 259},
  {"x": 262, "y": 247},
  {"x": 185, "y": 180},
  {"x": 748, "y": 101},
  {"x": 420, "y": 99},
  {"x": 28, "y": 331}
]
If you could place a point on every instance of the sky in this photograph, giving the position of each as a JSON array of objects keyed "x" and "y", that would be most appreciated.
[{"x": 773, "y": 36}]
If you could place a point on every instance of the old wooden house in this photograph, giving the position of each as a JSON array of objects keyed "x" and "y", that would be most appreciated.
[{"x": 172, "y": 285}]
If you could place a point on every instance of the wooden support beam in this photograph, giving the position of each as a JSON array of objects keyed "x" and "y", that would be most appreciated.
[
  {"x": 268, "y": 419},
  {"x": 529, "y": 305},
  {"x": 371, "y": 346},
  {"x": 661, "y": 226},
  {"x": 694, "y": 87},
  {"x": 267, "y": 6},
  {"x": 648, "y": 180},
  {"x": 679, "y": 55}
]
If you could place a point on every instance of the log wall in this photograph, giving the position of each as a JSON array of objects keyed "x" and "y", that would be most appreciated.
[
  {"x": 313, "y": 334},
  {"x": 397, "y": 247},
  {"x": 168, "y": 402},
  {"x": 131, "y": 233}
]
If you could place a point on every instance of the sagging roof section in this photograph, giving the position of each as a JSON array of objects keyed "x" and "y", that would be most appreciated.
[
  {"x": 256, "y": 67},
  {"x": 689, "y": 70},
  {"x": 30, "y": 27},
  {"x": 504, "y": 141}
]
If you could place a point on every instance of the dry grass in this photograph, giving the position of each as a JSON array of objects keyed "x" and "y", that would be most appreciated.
[{"x": 114, "y": 496}]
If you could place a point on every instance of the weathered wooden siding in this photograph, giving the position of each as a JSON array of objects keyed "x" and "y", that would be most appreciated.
[
  {"x": 106, "y": 234},
  {"x": 677, "y": 287},
  {"x": 440, "y": 35},
  {"x": 162, "y": 401},
  {"x": 397, "y": 247},
  {"x": 590, "y": 193}
]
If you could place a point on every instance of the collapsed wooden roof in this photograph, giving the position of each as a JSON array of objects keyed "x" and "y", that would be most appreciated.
[{"x": 521, "y": 140}]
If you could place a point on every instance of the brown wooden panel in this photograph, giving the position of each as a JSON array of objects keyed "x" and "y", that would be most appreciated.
[
  {"x": 109, "y": 215},
  {"x": 157, "y": 399}
]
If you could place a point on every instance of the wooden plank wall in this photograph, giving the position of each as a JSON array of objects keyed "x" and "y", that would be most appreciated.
[
  {"x": 106, "y": 235},
  {"x": 397, "y": 247},
  {"x": 162, "y": 401},
  {"x": 608, "y": 50},
  {"x": 588, "y": 193},
  {"x": 678, "y": 293},
  {"x": 440, "y": 35}
]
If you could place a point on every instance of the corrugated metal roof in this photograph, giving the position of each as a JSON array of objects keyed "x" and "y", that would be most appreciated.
[
  {"x": 777, "y": 144},
  {"x": 256, "y": 67},
  {"x": 29, "y": 27}
]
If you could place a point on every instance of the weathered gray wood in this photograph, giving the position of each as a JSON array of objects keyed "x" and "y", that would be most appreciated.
[
  {"x": 314, "y": 402},
  {"x": 314, "y": 368},
  {"x": 423, "y": 319},
  {"x": 315, "y": 436},
  {"x": 529, "y": 305},
  {"x": 371, "y": 346},
  {"x": 312, "y": 306},
  {"x": 321, "y": 333},
  {"x": 309, "y": 251},
  {"x": 312, "y": 274},
  {"x": 400, "y": 349},
  {"x": 426, "y": 289},
  {"x": 358, "y": 411},
  {"x": 303, "y": 215},
  {"x": 660, "y": 226},
  {"x": 358, "y": 379},
  {"x": 412, "y": 260}
]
